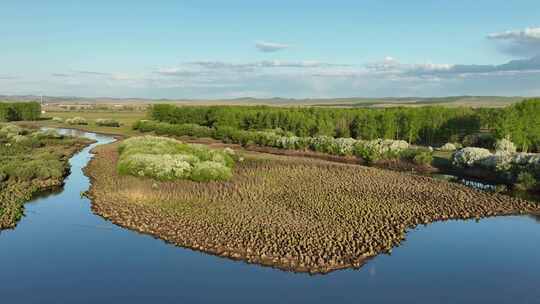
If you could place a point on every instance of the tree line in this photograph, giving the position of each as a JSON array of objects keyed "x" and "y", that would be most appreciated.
[
  {"x": 16, "y": 111},
  {"x": 429, "y": 125}
]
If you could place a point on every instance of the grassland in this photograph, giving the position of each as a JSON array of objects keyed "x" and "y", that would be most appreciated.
[
  {"x": 296, "y": 214},
  {"x": 31, "y": 161},
  {"x": 126, "y": 120}
]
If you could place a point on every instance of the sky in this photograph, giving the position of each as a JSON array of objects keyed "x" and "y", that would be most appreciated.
[{"x": 282, "y": 48}]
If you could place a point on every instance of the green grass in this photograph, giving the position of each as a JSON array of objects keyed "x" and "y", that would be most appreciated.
[{"x": 126, "y": 120}]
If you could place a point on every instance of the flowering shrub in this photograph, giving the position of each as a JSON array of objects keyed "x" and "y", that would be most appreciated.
[
  {"x": 448, "y": 147},
  {"x": 506, "y": 165},
  {"x": 467, "y": 157},
  {"x": 107, "y": 123},
  {"x": 210, "y": 170},
  {"x": 162, "y": 167},
  {"x": 168, "y": 159},
  {"x": 500, "y": 161},
  {"x": 373, "y": 150},
  {"x": 505, "y": 145},
  {"x": 370, "y": 150},
  {"x": 76, "y": 121}
]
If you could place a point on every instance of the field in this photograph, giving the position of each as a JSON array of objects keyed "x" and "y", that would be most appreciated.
[
  {"x": 126, "y": 120},
  {"x": 296, "y": 214}
]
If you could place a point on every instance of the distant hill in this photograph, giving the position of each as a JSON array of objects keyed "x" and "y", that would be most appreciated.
[{"x": 473, "y": 101}]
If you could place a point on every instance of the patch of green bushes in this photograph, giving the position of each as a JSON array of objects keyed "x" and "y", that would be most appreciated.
[
  {"x": 102, "y": 122},
  {"x": 526, "y": 181},
  {"x": 168, "y": 159},
  {"x": 76, "y": 121},
  {"x": 368, "y": 150},
  {"x": 16, "y": 111}
]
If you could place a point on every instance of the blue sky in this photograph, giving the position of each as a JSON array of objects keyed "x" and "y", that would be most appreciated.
[{"x": 227, "y": 49}]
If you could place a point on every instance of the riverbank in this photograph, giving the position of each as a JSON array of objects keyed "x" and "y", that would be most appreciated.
[
  {"x": 54, "y": 156},
  {"x": 293, "y": 213}
]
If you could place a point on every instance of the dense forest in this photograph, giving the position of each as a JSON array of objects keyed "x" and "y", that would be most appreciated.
[
  {"x": 429, "y": 125},
  {"x": 15, "y": 111}
]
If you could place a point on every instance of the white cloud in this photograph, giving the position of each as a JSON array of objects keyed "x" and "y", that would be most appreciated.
[
  {"x": 262, "y": 64},
  {"x": 519, "y": 42},
  {"x": 269, "y": 47},
  {"x": 298, "y": 79},
  {"x": 530, "y": 33}
]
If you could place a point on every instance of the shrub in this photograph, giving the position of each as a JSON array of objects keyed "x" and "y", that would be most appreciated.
[
  {"x": 168, "y": 159},
  {"x": 505, "y": 145},
  {"x": 210, "y": 170},
  {"x": 526, "y": 181},
  {"x": 423, "y": 158},
  {"x": 467, "y": 157},
  {"x": 161, "y": 167},
  {"x": 448, "y": 147},
  {"x": 76, "y": 121},
  {"x": 48, "y": 133},
  {"x": 107, "y": 123},
  {"x": 58, "y": 119}
]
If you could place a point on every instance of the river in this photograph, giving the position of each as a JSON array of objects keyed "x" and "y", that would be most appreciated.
[{"x": 61, "y": 252}]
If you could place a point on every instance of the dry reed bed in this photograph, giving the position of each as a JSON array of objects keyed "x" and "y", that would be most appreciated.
[{"x": 295, "y": 214}]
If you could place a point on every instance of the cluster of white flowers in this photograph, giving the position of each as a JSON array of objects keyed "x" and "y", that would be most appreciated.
[
  {"x": 344, "y": 146},
  {"x": 288, "y": 142},
  {"x": 165, "y": 166},
  {"x": 505, "y": 145},
  {"x": 76, "y": 121},
  {"x": 448, "y": 147},
  {"x": 385, "y": 146},
  {"x": 467, "y": 157},
  {"x": 169, "y": 159},
  {"x": 501, "y": 161}
]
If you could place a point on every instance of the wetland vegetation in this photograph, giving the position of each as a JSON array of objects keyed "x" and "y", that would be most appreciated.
[{"x": 31, "y": 160}]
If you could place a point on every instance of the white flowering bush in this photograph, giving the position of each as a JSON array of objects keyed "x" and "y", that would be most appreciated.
[
  {"x": 343, "y": 146},
  {"x": 505, "y": 145},
  {"x": 467, "y": 157},
  {"x": 500, "y": 161},
  {"x": 162, "y": 167},
  {"x": 168, "y": 159},
  {"x": 448, "y": 147},
  {"x": 76, "y": 121},
  {"x": 373, "y": 150}
]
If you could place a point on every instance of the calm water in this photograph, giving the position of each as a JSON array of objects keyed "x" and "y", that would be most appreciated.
[{"x": 62, "y": 253}]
